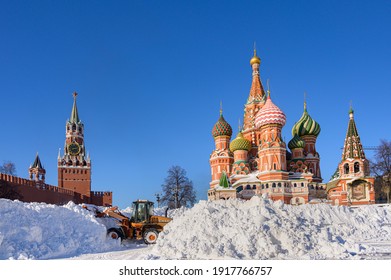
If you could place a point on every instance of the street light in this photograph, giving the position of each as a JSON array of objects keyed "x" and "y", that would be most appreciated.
[{"x": 158, "y": 199}]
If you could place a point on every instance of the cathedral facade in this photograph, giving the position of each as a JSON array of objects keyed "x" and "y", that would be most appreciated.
[{"x": 258, "y": 161}]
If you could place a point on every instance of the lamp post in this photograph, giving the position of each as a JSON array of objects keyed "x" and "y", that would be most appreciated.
[{"x": 158, "y": 199}]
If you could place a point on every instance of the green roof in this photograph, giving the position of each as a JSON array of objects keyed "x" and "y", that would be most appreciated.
[{"x": 224, "y": 182}]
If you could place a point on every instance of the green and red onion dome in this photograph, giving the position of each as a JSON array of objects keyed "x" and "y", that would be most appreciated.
[
  {"x": 270, "y": 114},
  {"x": 306, "y": 125},
  {"x": 296, "y": 143},
  {"x": 222, "y": 128},
  {"x": 240, "y": 143}
]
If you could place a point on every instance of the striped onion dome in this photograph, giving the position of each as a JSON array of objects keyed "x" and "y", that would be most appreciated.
[
  {"x": 270, "y": 114},
  {"x": 296, "y": 143},
  {"x": 240, "y": 143},
  {"x": 222, "y": 128},
  {"x": 306, "y": 125}
]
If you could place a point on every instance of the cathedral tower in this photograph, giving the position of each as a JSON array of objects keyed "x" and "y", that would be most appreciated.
[
  {"x": 352, "y": 183},
  {"x": 272, "y": 149},
  {"x": 354, "y": 162},
  {"x": 255, "y": 101},
  {"x": 74, "y": 166},
  {"x": 221, "y": 158},
  {"x": 307, "y": 130}
]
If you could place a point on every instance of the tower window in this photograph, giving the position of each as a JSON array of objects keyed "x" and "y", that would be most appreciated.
[
  {"x": 356, "y": 167},
  {"x": 295, "y": 185},
  {"x": 346, "y": 168},
  {"x": 274, "y": 185}
]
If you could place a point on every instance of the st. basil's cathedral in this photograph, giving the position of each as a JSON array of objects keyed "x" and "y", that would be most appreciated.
[{"x": 257, "y": 161}]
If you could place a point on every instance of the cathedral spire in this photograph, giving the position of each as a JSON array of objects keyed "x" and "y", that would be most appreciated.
[
  {"x": 352, "y": 147},
  {"x": 257, "y": 92},
  {"x": 74, "y": 115}
]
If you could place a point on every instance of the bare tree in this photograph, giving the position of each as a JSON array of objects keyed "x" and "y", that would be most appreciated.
[
  {"x": 8, "y": 167},
  {"x": 381, "y": 168},
  {"x": 178, "y": 189}
]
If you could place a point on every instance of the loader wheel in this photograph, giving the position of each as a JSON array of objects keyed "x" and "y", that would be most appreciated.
[
  {"x": 115, "y": 233},
  {"x": 150, "y": 236}
]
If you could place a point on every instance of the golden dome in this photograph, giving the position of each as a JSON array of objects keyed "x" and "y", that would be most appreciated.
[{"x": 255, "y": 58}]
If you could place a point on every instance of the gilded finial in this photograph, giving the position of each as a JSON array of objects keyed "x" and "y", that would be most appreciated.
[
  {"x": 305, "y": 101},
  {"x": 268, "y": 88},
  {"x": 255, "y": 48},
  {"x": 74, "y": 95},
  {"x": 221, "y": 108},
  {"x": 255, "y": 59},
  {"x": 351, "y": 111}
]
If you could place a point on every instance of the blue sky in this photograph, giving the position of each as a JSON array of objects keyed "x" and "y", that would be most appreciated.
[{"x": 151, "y": 75}]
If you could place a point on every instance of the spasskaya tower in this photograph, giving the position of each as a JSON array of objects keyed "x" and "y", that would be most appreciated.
[{"x": 74, "y": 166}]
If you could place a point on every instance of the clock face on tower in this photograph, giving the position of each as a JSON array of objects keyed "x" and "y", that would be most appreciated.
[{"x": 74, "y": 149}]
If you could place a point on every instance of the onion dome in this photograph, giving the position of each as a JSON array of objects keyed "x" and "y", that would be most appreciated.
[
  {"x": 306, "y": 125},
  {"x": 240, "y": 143},
  {"x": 296, "y": 143},
  {"x": 222, "y": 128},
  {"x": 255, "y": 58},
  {"x": 270, "y": 114}
]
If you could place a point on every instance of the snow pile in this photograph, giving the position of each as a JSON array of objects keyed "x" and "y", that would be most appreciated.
[
  {"x": 263, "y": 229},
  {"x": 45, "y": 231}
]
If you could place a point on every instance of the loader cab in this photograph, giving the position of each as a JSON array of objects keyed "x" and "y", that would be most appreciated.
[{"x": 142, "y": 210}]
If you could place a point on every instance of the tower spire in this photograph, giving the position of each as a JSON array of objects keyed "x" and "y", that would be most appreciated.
[
  {"x": 352, "y": 146},
  {"x": 268, "y": 88},
  {"x": 74, "y": 115},
  {"x": 221, "y": 108},
  {"x": 305, "y": 101},
  {"x": 257, "y": 92}
]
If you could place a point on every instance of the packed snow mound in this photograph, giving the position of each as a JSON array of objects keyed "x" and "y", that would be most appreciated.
[
  {"x": 263, "y": 229},
  {"x": 46, "y": 231}
]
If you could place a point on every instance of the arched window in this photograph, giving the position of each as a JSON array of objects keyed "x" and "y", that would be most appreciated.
[
  {"x": 356, "y": 167},
  {"x": 263, "y": 186},
  {"x": 248, "y": 187},
  {"x": 302, "y": 184},
  {"x": 295, "y": 185},
  {"x": 279, "y": 185},
  {"x": 267, "y": 186},
  {"x": 274, "y": 185},
  {"x": 254, "y": 187},
  {"x": 346, "y": 168}
]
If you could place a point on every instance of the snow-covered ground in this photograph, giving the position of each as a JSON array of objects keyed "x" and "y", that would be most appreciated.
[{"x": 232, "y": 229}]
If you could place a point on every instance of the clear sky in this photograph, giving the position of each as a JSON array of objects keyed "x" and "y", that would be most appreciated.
[{"x": 151, "y": 75}]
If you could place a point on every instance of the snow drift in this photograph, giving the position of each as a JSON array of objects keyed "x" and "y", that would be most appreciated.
[
  {"x": 45, "y": 231},
  {"x": 263, "y": 229},
  {"x": 232, "y": 229}
]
